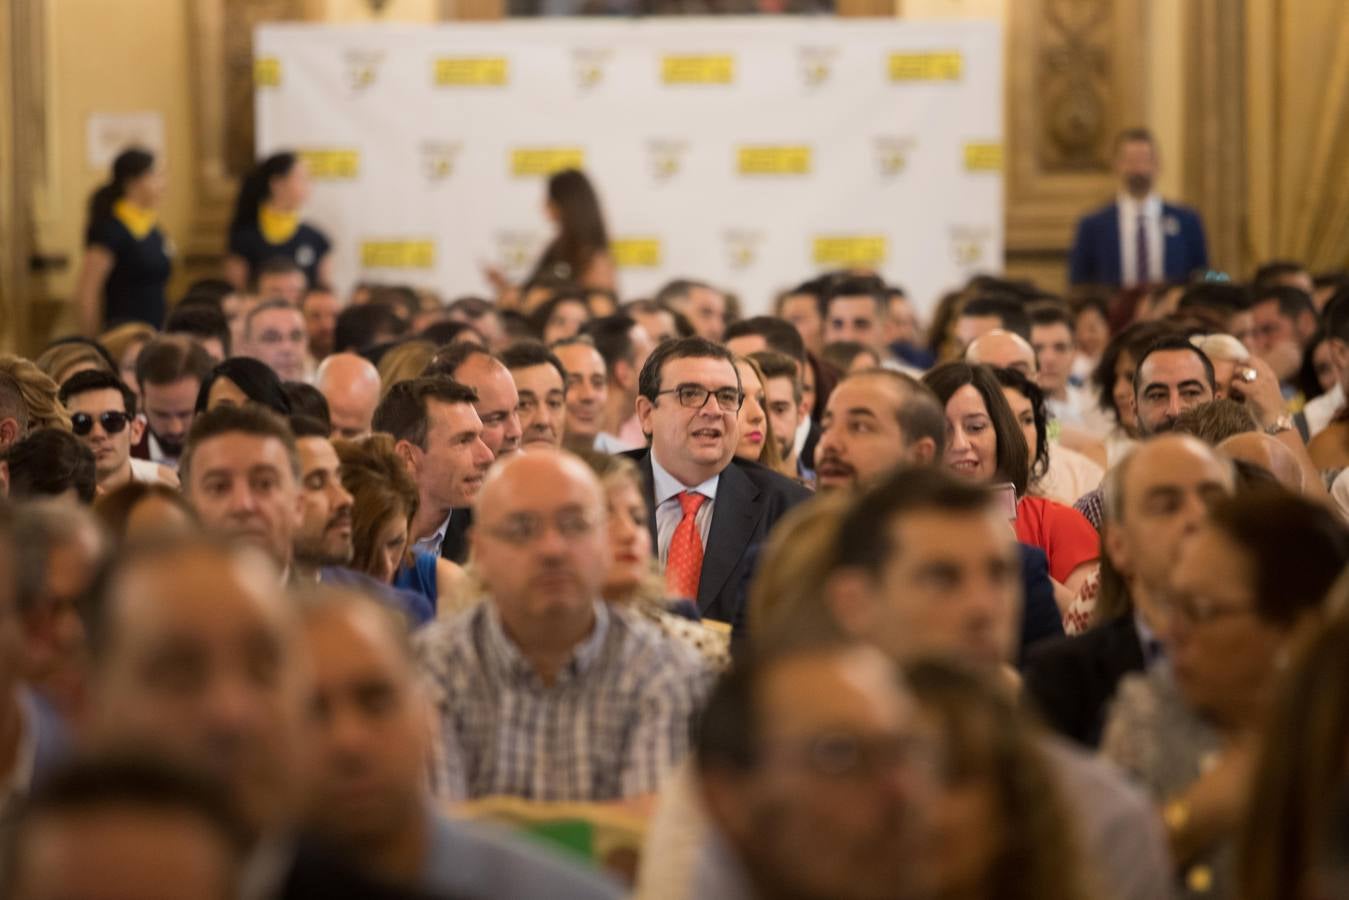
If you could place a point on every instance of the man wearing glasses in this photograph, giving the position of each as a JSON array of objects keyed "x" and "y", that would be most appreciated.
[
  {"x": 544, "y": 691},
  {"x": 710, "y": 510},
  {"x": 103, "y": 416}
]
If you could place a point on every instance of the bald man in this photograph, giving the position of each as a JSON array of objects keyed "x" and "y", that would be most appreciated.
[
  {"x": 1268, "y": 453},
  {"x": 1003, "y": 350},
  {"x": 350, "y": 384},
  {"x": 545, "y": 691}
]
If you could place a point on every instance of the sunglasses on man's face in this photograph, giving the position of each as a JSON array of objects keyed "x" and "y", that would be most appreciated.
[{"x": 112, "y": 422}]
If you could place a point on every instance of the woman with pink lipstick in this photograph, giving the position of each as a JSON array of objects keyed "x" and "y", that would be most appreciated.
[
  {"x": 756, "y": 436},
  {"x": 984, "y": 443}
]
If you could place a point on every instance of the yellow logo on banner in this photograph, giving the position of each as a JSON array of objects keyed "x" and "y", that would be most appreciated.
[
  {"x": 983, "y": 156},
  {"x": 701, "y": 68},
  {"x": 941, "y": 65},
  {"x": 267, "y": 72},
  {"x": 849, "y": 250},
  {"x": 398, "y": 254},
  {"x": 332, "y": 164},
  {"x": 527, "y": 161},
  {"x": 636, "y": 253},
  {"x": 969, "y": 244},
  {"x": 766, "y": 160},
  {"x": 472, "y": 71}
]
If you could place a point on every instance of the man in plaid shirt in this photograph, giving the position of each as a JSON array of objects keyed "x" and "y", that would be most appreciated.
[{"x": 543, "y": 691}]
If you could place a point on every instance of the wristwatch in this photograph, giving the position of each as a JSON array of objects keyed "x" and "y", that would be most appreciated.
[{"x": 1283, "y": 423}]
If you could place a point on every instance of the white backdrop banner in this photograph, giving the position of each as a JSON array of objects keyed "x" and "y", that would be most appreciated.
[{"x": 751, "y": 154}]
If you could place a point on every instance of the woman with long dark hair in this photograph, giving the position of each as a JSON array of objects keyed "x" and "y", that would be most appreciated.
[
  {"x": 267, "y": 223},
  {"x": 126, "y": 257}
]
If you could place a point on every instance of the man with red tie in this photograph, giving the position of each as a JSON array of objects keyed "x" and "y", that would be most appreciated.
[{"x": 710, "y": 510}]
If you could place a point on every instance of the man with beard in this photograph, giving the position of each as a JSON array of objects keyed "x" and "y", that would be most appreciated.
[
  {"x": 876, "y": 420},
  {"x": 544, "y": 690},
  {"x": 170, "y": 371},
  {"x": 1172, "y": 376},
  {"x": 541, "y": 383},
  {"x": 1139, "y": 239}
]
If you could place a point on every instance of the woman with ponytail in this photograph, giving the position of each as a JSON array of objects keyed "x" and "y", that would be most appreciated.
[
  {"x": 126, "y": 257},
  {"x": 267, "y": 223}
]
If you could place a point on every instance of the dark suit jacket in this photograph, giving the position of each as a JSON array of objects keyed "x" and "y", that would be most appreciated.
[
  {"x": 750, "y": 500},
  {"x": 1095, "y": 257},
  {"x": 1040, "y": 620},
  {"x": 1071, "y": 681},
  {"x": 319, "y": 873},
  {"x": 455, "y": 546}
]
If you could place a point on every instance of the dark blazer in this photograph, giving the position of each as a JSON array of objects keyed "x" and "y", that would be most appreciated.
[
  {"x": 1095, "y": 257},
  {"x": 750, "y": 500},
  {"x": 318, "y": 873},
  {"x": 1040, "y": 620},
  {"x": 1071, "y": 681},
  {"x": 455, "y": 546}
]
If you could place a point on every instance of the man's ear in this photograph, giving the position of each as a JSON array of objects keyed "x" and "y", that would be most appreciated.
[
  {"x": 645, "y": 410},
  {"x": 1339, "y": 356},
  {"x": 850, "y": 599},
  {"x": 624, "y": 375},
  {"x": 410, "y": 454},
  {"x": 137, "y": 428},
  {"x": 1114, "y": 545},
  {"x": 10, "y": 432},
  {"x": 923, "y": 452}
]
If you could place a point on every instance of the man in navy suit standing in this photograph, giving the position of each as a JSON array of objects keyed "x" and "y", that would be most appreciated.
[{"x": 1139, "y": 238}]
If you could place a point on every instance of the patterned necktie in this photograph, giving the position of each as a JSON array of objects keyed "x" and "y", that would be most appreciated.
[
  {"x": 684, "y": 562},
  {"x": 1144, "y": 274}
]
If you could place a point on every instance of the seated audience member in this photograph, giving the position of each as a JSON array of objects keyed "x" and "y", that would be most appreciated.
[
  {"x": 815, "y": 771},
  {"x": 367, "y": 791},
  {"x": 855, "y": 310},
  {"x": 103, "y": 415},
  {"x": 999, "y": 825},
  {"x": 903, "y": 334},
  {"x": 1335, "y": 323},
  {"x": 403, "y": 361},
  {"x": 624, "y": 345},
  {"x": 877, "y": 420},
  {"x": 38, "y": 395},
  {"x": 1247, "y": 584},
  {"x": 1056, "y": 473},
  {"x": 541, "y": 549},
  {"x": 170, "y": 372},
  {"x": 1003, "y": 350},
  {"x": 175, "y": 627},
  {"x": 1317, "y": 375},
  {"x": 661, "y": 322},
  {"x": 383, "y": 504},
  {"x": 850, "y": 356},
  {"x": 786, "y": 407},
  {"x": 69, "y": 356},
  {"x": 1285, "y": 272},
  {"x": 1051, "y": 335},
  {"x": 239, "y": 381},
  {"x": 587, "y": 396},
  {"x": 985, "y": 444},
  {"x": 351, "y": 385},
  {"x": 1220, "y": 309},
  {"x": 450, "y": 332},
  {"x": 986, "y": 312},
  {"x": 204, "y": 324},
  {"x": 279, "y": 276},
  {"x": 1091, "y": 332},
  {"x": 760, "y": 333},
  {"x": 364, "y": 325},
  {"x": 1300, "y": 770},
  {"x": 541, "y": 382},
  {"x": 235, "y": 306},
  {"x": 1284, "y": 321},
  {"x": 561, "y": 317},
  {"x": 138, "y": 511},
  {"x": 757, "y": 442},
  {"x": 60, "y": 551},
  {"x": 497, "y": 403},
  {"x": 320, "y": 308},
  {"x": 1227, "y": 355},
  {"x": 634, "y": 580},
  {"x": 323, "y": 536},
  {"x": 274, "y": 333},
  {"x": 1155, "y": 498},
  {"x": 711, "y": 510},
  {"x": 482, "y": 316},
  {"x": 51, "y": 462},
  {"x": 308, "y": 401},
  {"x": 1216, "y": 421},
  {"x": 124, "y": 344},
  {"x": 126, "y": 826},
  {"x": 801, "y": 308},
  {"x": 705, "y": 307},
  {"x": 438, "y": 436}
]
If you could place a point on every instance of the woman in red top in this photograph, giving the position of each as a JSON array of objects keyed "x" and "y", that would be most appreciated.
[{"x": 984, "y": 442}]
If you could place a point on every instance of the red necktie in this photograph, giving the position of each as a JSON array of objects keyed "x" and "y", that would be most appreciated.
[{"x": 684, "y": 562}]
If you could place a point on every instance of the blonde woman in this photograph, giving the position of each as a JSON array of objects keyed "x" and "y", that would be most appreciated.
[{"x": 39, "y": 392}]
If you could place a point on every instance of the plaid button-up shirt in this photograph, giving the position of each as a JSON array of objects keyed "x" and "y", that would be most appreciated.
[{"x": 613, "y": 723}]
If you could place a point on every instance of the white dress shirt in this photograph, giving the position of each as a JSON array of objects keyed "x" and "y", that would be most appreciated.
[
  {"x": 666, "y": 490},
  {"x": 1150, "y": 207},
  {"x": 1320, "y": 410}
]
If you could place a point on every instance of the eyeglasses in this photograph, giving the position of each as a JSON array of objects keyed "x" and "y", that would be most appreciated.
[
  {"x": 694, "y": 396},
  {"x": 526, "y": 528},
  {"x": 112, "y": 421}
]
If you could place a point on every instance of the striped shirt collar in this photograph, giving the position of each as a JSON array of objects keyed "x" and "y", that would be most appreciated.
[{"x": 502, "y": 653}]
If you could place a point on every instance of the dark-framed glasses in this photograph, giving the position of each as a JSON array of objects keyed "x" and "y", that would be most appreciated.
[
  {"x": 694, "y": 396},
  {"x": 112, "y": 421}
]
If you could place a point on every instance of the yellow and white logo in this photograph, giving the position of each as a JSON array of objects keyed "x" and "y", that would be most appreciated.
[
  {"x": 892, "y": 154},
  {"x": 362, "y": 67},
  {"x": 766, "y": 159},
  {"x": 816, "y": 65},
  {"x": 471, "y": 71},
  {"x": 398, "y": 254},
  {"x": 527, "y": 162},
  {"x": 267, "y": 72},
  {"x": 588, "y": 65},
  {"x": 332, "y": 164},
  {"x": 636, "y": 252},
  {"x": 438, "y": 159},
  {"x": 666, "y": 158},
  {"x": 969, "y": 245},
  {"x": 698, "y": 68},
  {"x": 516, "y": 251},
  {"x": 933, "y": 65},
  {"x": 742, "y": 247},
  {"x": 849, "y": 250},
  {"x": 983, "y": 156}
]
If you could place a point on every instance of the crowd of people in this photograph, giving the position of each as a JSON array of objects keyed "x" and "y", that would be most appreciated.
[{"x": 1038, "y": 598}]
